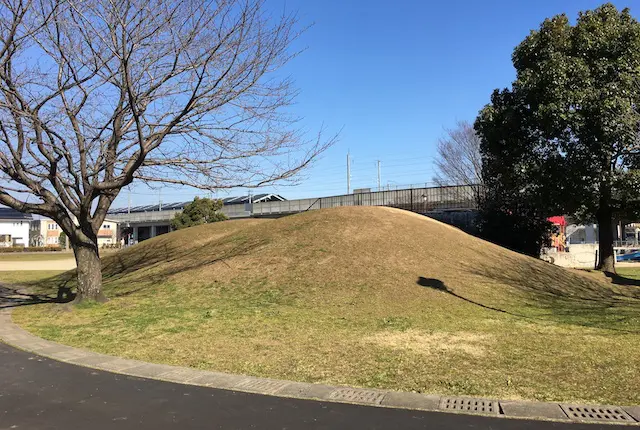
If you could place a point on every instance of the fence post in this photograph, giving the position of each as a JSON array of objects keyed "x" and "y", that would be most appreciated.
[{"x": 412, "y": 208}]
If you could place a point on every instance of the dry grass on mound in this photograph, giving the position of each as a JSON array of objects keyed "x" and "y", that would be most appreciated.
[{"x": 364, "y": 296}]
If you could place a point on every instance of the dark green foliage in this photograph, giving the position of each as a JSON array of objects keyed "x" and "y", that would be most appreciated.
[
  {"x": 200, "y": 211},
  {"x": 515, "y": 206},
  {"x": 564, "y": 138},
  {"x": 62, "y": 240},
  {"x": 522, "y": 229}
]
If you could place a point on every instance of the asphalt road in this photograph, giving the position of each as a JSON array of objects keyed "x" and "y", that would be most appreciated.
[{"x": 39, "y": 393}]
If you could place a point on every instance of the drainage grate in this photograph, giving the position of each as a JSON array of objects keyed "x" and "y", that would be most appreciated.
[
  {"x": 597, "y": 413},
  {"x": 357, "y": 396},
  {"x": 262, "y": 385},
  {"x": 470, "y": 405}
]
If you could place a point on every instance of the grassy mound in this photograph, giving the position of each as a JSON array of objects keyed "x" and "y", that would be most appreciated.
[{"x": 362, "y": 296}]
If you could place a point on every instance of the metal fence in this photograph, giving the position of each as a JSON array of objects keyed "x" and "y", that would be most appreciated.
[
  {"x": 232, "y": 211},
  {"x": 421, "y": 200},
  {"x": 626, "y": 244}
]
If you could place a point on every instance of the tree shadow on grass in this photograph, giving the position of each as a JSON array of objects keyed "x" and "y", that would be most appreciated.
[
  {"x": 146, "y": 264},
  {"x": 12, "y": 296},
  {"x": 585, "y": 312},
  {"x": 622, "y": 280},
  {"x": 157, "y": 260},
  {"x": 437, "y": 284},
  {"x": 547, "y": 282}
]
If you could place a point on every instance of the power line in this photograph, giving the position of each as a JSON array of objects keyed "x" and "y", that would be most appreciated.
[{"x": 358, "y": 162}]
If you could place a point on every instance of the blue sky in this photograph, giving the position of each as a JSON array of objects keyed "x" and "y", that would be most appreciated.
[{"x": 392, "y": 76}]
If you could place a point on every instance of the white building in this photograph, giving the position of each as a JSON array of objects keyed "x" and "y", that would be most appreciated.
[
  {"x": 46, "y": 232},
  {"x": 108, "y": 233},
  {"x": 14, "y": 228},
  {"x": 581, "y": 234}
]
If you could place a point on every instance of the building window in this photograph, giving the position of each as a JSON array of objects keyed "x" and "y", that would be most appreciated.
[
  {"x": 52, "y": 226},
  {"x": 107, "y": 226}
]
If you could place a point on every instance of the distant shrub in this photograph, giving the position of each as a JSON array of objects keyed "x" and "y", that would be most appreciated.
[
  {"x": 199, "y": 211},
  {"x": 43, "y": 249},
  {"x": 62, "y": 240},
  {"x": 30, "y": 249},
  {"x": 7, "y": 250}
]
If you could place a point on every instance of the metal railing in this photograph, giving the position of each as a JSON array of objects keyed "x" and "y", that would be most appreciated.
[
  {"x": 626, "y": 244},
  {"x": 421, "y": 200}
]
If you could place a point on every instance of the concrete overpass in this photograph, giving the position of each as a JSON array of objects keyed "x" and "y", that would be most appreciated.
[{"x": 455, "y": 205}]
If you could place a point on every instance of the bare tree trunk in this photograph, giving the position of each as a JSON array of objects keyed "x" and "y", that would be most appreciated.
[
  {"x": 89, "y": 272},
  {"x": 606, "y": 256}
]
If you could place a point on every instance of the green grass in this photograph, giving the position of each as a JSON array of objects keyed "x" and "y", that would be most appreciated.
[
  {"x": 365, "y": 297},
  {"x": 629, "y": 273},
  {"x": 23, "y": 277}
]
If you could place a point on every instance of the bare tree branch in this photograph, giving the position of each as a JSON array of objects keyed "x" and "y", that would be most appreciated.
[
  {"x": 179, "y": 92},
  {"x": 459, "y": 161}
]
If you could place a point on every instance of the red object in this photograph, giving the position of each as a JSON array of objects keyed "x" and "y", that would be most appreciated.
[
  {"x": 558, "y": 220},
  {"x": 558, "y": 239}
]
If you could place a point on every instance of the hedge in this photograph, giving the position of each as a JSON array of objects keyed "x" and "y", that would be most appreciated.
[{"x": 30, "y": 249}]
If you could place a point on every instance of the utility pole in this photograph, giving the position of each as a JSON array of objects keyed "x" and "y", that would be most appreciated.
[
  {"x": 129, "y": 207},
  {"x": 348, "y": 173},
  {"x": 379, "y": 189},
  {"x": 160, "y": 199}
]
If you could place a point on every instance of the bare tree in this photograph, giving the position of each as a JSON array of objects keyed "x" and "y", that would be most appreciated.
[
  {"x": 459, "y": 161},
  {"x": 98, "y": 93}
]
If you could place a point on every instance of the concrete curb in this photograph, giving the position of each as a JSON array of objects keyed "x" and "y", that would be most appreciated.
[{"x": 15, "y": 336}]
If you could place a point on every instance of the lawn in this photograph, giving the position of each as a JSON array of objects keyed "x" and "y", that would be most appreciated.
[
  {"x": 23, "y": 277},
  {"x": 369, "y": 297}
]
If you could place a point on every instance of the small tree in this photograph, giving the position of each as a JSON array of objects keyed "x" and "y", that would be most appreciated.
[
  {"x": 62, "y": 240},
  {"x": 568, "y": 127},
  {"x": 199, "y": 211},
  {"x": 95, "y": 94},
  {"x": 35, "y": 238}
]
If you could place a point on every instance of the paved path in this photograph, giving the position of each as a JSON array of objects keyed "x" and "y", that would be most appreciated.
[
  {"x": 66, "y": 264},
  {"x": 40, "y": 393}
]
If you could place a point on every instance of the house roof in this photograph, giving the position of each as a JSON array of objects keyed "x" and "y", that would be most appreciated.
[
  {"x": 238, "y": 200},
  {"x": 14, "y": 215}
]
